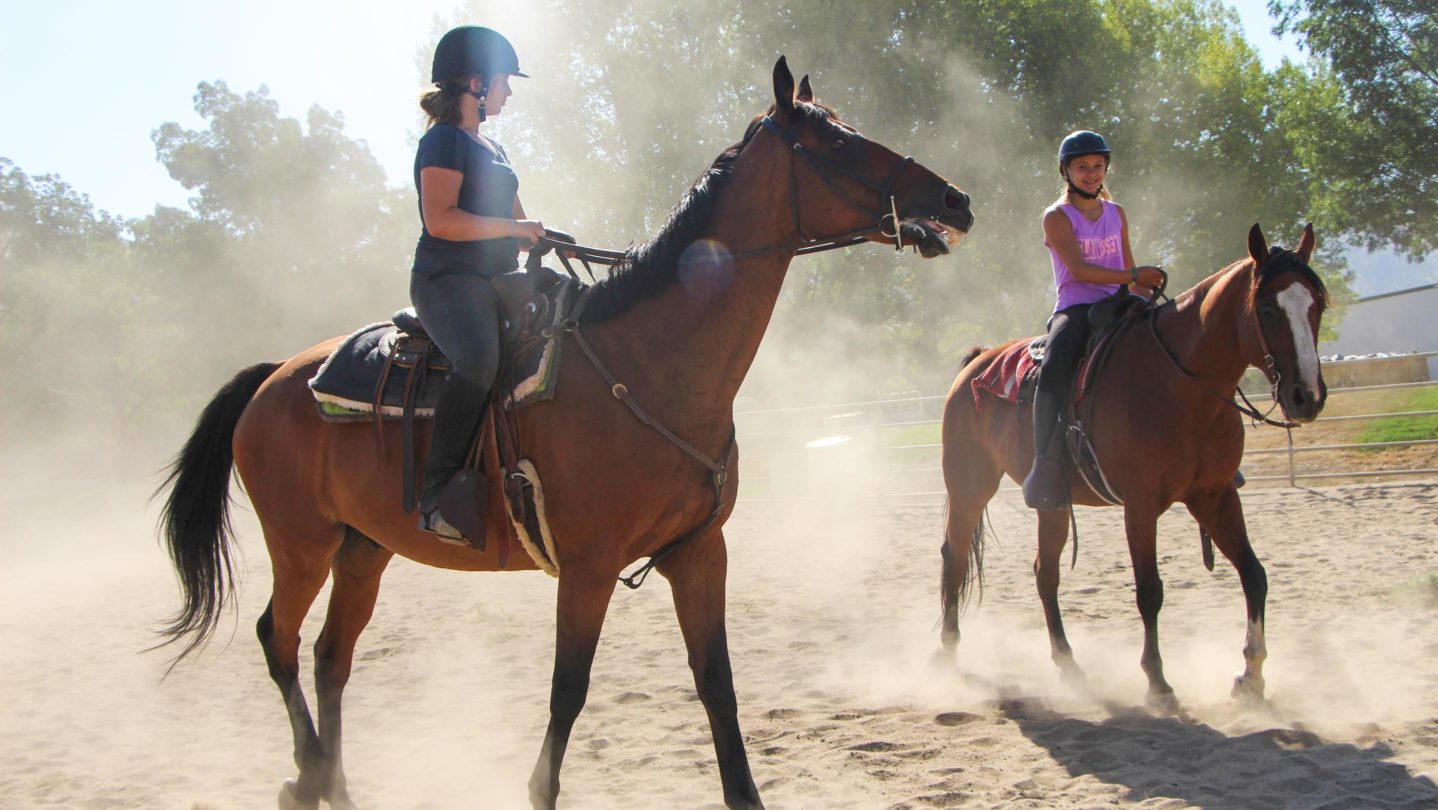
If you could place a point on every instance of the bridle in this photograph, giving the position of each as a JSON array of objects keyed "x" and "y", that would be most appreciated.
[
  {"x": 1269, "y": 368},
  {"x": 886, "y": 223},
  {"x": 823, "y": 169}
]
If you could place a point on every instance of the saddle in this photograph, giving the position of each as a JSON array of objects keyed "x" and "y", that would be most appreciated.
[
  {"x": 1013, "y": 377},
  {"x": 394, "y": 371}
]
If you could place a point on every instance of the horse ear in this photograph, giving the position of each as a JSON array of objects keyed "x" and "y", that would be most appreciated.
[
  {"x": 806, "y": 93},
  {"x": 1306, "y": 243},
  {"x": 783, "y": 87},
  {"x": 1257, "y": 245}
]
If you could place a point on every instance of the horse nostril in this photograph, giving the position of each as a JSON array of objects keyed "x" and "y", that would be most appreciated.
[
  {"x": 1298, "y": 398},
  {"x": 955, "y": 200}
]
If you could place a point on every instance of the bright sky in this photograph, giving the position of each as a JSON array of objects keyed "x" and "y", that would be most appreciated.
[{"x": 83, "y": 82}]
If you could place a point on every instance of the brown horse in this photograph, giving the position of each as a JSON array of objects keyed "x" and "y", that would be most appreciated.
[
  {"x": 1164, "y": 429},
  {"x": 679, "y": 333}
]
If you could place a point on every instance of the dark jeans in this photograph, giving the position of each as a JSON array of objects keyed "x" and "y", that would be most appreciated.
[
  {"x": 461, "y": 313},
  {"x": 1068, "y": 334}
]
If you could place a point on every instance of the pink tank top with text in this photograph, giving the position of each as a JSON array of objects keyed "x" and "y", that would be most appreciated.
[{"x": 1101, "y": 242}]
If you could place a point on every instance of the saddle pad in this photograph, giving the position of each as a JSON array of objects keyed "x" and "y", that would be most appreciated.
[
  {"x": 345, "y": 383},
  {"x": 1008, "y": 377}
]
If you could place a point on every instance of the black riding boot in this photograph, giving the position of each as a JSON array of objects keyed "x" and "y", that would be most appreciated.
[
  {"x": 457, "y": 416},
  {"x": 1045, "y": 488}
]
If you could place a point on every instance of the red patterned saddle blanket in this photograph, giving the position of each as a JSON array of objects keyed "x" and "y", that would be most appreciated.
[{"x": 1014, "y": 374}]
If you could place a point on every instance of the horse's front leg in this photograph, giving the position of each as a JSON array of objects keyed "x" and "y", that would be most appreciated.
[
  {"x": 1221, "y": 513},
  {"x": 696, "y": 576},
  {"x": 583, "y": 600},
  {"x": 1142, "y": 528},
  {"x": 1053, "y": 536}
]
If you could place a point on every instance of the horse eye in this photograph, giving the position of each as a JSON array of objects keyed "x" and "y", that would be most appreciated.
[{"x": 837, "y": 144}]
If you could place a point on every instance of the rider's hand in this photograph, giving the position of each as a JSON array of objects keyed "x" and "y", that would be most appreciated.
[
  {"x": 1150, "y": 277},
  {"x": 528, "y": 232}
]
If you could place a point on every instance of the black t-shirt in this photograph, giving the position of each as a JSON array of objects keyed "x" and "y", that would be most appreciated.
[{"x": 488, "y": 190}]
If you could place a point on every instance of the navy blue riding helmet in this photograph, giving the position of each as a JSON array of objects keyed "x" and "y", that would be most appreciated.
[
  {"x": 473, "y": 50},
  {"x": 1082, "y": 142}
]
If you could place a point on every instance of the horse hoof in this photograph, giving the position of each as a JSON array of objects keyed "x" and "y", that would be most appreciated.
[
  {"x": 1071, "y": 673},
  {"x": 289, "y": 801},
  {"x": 1248, "y": 690},
  {"x": 1164, "y": 703},
  {"x": 943, "y": 660}
]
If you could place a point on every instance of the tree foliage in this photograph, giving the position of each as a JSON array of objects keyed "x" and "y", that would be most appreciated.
[
  {"x": 1367, "y": 129},
  {"x": 293, "y": 235}
]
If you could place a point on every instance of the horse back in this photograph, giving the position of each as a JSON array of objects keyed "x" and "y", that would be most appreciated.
[{"x": 308, "y": 478}]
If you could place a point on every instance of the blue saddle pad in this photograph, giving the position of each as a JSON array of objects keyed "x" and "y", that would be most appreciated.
[{"x": 345, "y": 385}]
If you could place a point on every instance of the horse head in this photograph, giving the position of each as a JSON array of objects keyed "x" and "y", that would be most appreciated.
[
  {"x": 1287, "y": 300},
  {"x": 841, "y": 183}
]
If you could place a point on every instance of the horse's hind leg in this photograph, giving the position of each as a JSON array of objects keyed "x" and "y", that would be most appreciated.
[
  {"x": 1048, "y": 564},
  {"x": 696, "y": 576},
  {"x": 1221, "y": 513},
  {"x": 357, "y": 569},
  {"x": 971, "y": 480},
  {"x": 583, "y": 600},
  {"x": 299, "y": 573}
]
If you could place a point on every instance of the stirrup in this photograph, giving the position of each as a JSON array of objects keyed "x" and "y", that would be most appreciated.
[{"x": 433, "y": 522}]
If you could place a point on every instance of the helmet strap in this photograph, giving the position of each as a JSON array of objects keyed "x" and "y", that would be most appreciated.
[{"x": 483, "y": 91}]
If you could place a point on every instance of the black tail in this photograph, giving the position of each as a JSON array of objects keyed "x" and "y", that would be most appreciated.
[
  {"x": 195, "y": 522},
  {"x": 969, "y": 358}
]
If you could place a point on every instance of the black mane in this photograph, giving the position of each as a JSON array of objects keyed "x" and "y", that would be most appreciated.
[{"x": 649, "y": 269}]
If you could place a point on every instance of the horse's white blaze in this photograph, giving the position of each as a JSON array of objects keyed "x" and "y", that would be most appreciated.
[{"x": 1296, "y": 301}]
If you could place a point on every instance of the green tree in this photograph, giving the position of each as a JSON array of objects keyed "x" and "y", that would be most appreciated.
[
  {"x": 1368, "y": 118},
  {"x": 292, "y": 237},
  {"x": 67, "y": 311}
]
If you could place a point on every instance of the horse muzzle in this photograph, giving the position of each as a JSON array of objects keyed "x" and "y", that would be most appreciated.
[
  {"x": 1300, "y": 403},
  {"x": 933, "y": 229}
]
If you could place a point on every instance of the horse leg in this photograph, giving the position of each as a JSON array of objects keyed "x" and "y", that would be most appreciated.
[
  {"x": 298, "y": 578},
  {"x": 1142, "y": 531},
  {"x": 357, "y": 568},
  {"x": 583, "y": 599},
  {"x": 696, "y": 577},
  {"x": 1221, "y": 513},
  {"x": 971, "y": 481},
  {"x": 1048, "y": 564}
]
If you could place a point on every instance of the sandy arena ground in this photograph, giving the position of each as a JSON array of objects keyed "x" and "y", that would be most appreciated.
[{"x": 832, "y": 625}]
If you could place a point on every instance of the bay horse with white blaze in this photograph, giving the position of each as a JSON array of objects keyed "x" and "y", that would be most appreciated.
[
  {"x": 1163, "y": 424},
  {"x": 680, "y": 335}
]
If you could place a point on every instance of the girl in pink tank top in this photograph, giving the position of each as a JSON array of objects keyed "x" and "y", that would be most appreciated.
[{"x": 1086, "y": 233}]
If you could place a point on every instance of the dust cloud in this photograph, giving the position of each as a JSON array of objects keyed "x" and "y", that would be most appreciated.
[{"x": 832, "y": 588}]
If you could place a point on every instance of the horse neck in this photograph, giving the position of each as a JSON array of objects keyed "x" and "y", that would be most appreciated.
[
  {"x": 1207, "y": 327},
  {"x": 707, "y": 338}
]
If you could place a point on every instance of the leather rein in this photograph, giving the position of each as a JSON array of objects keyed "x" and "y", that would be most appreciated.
[{"x": 566, "y": 248}]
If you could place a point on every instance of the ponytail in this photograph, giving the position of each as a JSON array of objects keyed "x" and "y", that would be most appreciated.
[{"x": 441, "y": 103}]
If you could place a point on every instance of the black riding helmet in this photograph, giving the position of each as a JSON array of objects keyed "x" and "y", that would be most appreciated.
[
  {"x": 473, "y": 50},
  {"x": 1076, "y": 144}
]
